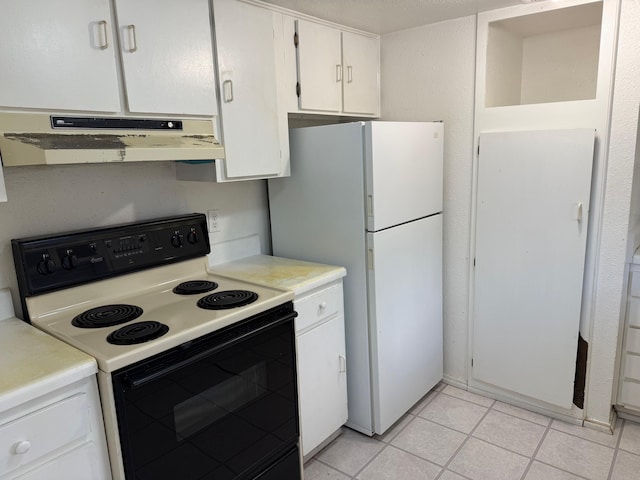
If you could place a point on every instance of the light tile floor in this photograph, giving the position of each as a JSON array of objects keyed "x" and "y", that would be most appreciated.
[{"x": 457, "y": 435}]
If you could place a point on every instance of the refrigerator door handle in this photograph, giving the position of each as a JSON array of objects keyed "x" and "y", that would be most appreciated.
[
  {"x": 370, "y": 259},
  {"x": 370, "y": 205}
]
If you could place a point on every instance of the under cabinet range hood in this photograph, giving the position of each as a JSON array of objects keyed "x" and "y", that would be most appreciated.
[{"x": 43, "y": 139}]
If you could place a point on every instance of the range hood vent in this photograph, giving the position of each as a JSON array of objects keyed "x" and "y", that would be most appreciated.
[{"x": 41, "y": 139}]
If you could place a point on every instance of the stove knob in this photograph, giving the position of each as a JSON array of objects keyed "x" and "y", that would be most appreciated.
[
  {"x": 69, "y": 261},
  {"x": 46, "y": 266},
  {"x": 176, "y": 241},
  {"x": 192, "y": 237}
]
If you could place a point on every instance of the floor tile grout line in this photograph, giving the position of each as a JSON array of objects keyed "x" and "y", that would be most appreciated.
[
  {"x": 583, "y": 438},
  {"x": 467, "y": 400},
  {"x": 535, "y": 452},
  {"x": 455, "y": 454},
  {"x": 549, "y": 419},
  {"x": 616, "y": 450}
]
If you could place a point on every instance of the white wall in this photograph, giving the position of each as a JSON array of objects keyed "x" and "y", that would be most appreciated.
[
  {"x": 52, "y": 199},
  {"x": 428, "y": 73},
  {"x": 619, "y": 220}
]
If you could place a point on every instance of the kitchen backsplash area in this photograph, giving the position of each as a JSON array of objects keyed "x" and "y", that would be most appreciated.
[{"x": 57, "y": 199}]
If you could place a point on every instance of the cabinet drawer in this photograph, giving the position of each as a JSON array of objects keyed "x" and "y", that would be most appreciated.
[
  {"x": 43, "y": 431},
  {"x": 632, "y": 366},
  {"x": 631, "y": 394},
  {"x": 317, "y": 307},
  {"x": 633, "y": 340},
  {"x": 634, "y": 289},
  {"x": 634, "y": 312}
]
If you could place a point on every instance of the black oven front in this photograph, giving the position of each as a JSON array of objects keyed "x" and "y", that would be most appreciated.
[{"x": 223, "y": 406}]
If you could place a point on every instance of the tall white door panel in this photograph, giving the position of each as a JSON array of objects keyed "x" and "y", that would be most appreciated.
[
  {"x": 405, "y": 315},
  {"x": 531, "y": 232},
  {"x": 167, "y": 56},
  {"x": 248, "y": 103},
  {"x": 403, "y": 171}
]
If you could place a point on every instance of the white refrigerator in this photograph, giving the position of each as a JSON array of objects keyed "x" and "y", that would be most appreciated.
[{"x": 368, "y": 196}]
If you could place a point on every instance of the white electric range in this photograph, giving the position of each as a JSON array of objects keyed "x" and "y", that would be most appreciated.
[{"x": 196, "y": 371}]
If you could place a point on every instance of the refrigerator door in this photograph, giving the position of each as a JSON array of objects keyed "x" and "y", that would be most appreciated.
[
  {"x": 317, "y": 214},
  {"x": 405, "y": 316},
  {"x": 403, "y": 171}
]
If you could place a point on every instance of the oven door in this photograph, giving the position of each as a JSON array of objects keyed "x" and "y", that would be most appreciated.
[{"x": 223, "y": 406}]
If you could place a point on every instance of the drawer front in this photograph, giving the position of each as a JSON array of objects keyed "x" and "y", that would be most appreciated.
[
  {"x": 631, "y": 394},
  {"x": 318, "y": 306},
  {"x": 632, "y": 367},
  {"x": 634, "y": 312},
  {"x": 634, "y": 289},
  {"x": 43, "y": 431},
  {"x": 633, "y": 340}
]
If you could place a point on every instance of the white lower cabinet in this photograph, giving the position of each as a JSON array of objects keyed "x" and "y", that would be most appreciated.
[
  {"x": 322, "y": 378},
  {"x": 59, "y": 436}
]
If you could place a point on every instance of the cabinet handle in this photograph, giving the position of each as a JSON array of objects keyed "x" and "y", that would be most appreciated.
[
  {"x": 342, "y": 363},
  {"x": 349, "y": 74},
  {"x": 131, "y": 30},
  {"x": 22, "y": 447},
  {"x": 338, "y": 73},
  {"x": 227, "y": 91},
  {"x": 102, "y": 24},
  {"x": 579, "y": 212}
]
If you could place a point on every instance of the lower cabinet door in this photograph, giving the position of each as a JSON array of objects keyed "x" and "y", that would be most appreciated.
[
  {"x": 322, "y": 382},
  {"x": 81, "y": 463}
]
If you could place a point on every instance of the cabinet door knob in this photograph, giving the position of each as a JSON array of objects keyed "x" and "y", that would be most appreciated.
[
  {"x": 338, "y": 73},
  {"x": 349, "y": 74},
  {"x": 22, "y": 447},
  {"x": 322, "y": 305}
]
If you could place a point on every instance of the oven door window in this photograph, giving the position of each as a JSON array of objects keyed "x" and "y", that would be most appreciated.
[{"x": 223, "y": 413}]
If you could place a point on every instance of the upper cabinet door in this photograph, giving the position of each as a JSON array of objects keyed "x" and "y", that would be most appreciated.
[
  {"x": 58, "y": 55},
  {"x": 319, "y": 67},
  {"x": 248, "y": 92},
  {"x": 361, "y": 64},
  {"x": 167, "y": 56}
]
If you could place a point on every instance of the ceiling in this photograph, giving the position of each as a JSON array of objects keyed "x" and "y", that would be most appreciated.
[{"x": 385, "y": 16}]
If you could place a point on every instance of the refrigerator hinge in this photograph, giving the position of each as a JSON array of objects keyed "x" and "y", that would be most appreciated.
[{"x": 295, "y": 39}]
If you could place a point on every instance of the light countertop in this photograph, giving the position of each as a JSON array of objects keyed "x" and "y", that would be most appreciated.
[
  {"x": 33, "y": 363},
  {"x": 295, "y": 275}
]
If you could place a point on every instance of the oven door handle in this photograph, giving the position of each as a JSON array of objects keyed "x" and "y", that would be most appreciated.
[{"x": 136, "y": 381}]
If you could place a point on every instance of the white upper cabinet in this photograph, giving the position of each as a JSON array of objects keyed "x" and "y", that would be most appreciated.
[
  {"x": 319, "y": 67},
  {"x": 251, "y": 120},
  {"x": 58, "y": 55},
  {"x": 167, "y": 56},
  {"x": 361, "y": 63},
  {"x": 338, "y": 71},
  {"x": 64, "y": 55}
]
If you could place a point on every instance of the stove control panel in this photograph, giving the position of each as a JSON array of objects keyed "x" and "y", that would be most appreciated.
[{"x": 47, "y": 263}]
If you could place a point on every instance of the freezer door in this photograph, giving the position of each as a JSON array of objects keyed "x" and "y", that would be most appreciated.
[
  {"x": 405, "y": 306},
  {"x": 403, "y": 171}
]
